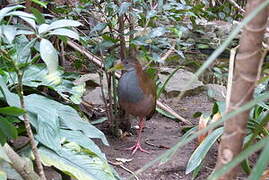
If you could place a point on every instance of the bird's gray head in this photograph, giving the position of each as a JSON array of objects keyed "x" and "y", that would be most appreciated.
[{"x": 130, "y": 63}]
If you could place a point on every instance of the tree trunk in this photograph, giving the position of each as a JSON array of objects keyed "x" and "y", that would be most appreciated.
[{"x": 247, "y": 63}]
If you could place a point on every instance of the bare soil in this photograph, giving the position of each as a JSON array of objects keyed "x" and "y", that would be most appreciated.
[{"x": 161, "y": 133}]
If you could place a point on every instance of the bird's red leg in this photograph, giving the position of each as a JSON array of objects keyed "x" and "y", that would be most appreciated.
[{"x": 138, "y": 144}]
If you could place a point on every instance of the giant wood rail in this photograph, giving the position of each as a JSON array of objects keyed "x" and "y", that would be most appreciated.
[{"x": 137, "y": 95}]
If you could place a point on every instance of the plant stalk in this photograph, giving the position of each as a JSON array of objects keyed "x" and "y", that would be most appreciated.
[{"x": 29, "y": 130}]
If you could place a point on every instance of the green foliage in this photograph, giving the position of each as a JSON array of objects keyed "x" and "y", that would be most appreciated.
[
  {"x": 64, "y": 138},
  {"x": 200, "y": 152}
]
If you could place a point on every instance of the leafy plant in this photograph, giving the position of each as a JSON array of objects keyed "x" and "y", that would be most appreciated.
[{"x": 64, "y": 138}]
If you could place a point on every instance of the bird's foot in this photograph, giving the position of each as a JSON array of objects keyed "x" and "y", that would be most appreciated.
[{"x": 136, "y": 147}]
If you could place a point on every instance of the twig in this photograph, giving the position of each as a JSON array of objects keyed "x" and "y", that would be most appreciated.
[
  {"x": 154, "y": 145},
  {"x": 125, "y": 168},
  {"x": 98, "y": 62},
  {"x": 171, "y": 111},
  {"x": 237, "y": 6},
  {"x": 21, "y": 165},
  {"x": 230, "y": 75},
  {"x": 167, "y": 54}
]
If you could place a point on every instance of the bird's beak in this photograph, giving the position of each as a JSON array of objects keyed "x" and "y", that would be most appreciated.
[{"x": 118, "y": 66}]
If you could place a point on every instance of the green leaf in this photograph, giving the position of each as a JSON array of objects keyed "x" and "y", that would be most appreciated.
[
  {"x": 124, "y": 7},
  {"x": 239, "y": 158},
  {"x": 43, "y": 28},
  {"x": 12, "y": 111},
  {"x": 79, "y": 138},
  {"x": 151, "y": 14},
  {"x": 261, "y": 164},
  {"x": 160, "y": 90},
  {"x": 11, "y": 98},
  {"x": 23, "y": 49},
  {"x": 165, "y": 113},
  {"x": 39, "y": 16},
  {"x": 65, "y": 32},
  {"x": 9, "y": 32},
  {"x": 49, "y": 55},
  {"x": 157, "y": 32},
  {"x": 3, "y": 175},
  {"x": 77, "y": 164},
  {"x": 100, "y": 120},
  {"x": 3, "y": 138},
  {"x": 29, "y": 18},
  {"x": 4, "y": 11},
  {"x": 35, "y": 75},
  {"x": 48, "y": 127},
  {"x": 70, "y": 119},
  {"x": 64, "y": 23},
  {"x": 7, "y": 128},
  {"x": 99, "y": 27},
  {"x": 41, "y": 3},
  {"x": 200, "y": 152}
]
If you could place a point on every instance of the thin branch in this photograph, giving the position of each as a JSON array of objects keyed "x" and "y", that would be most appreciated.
[
  {"x": 237, "y": 6},
  {"x": 24, "y": 168},
  {"x": 29, "y": 130}
]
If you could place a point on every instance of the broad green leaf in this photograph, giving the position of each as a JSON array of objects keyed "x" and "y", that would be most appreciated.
[
  {"x": 11, "y": 98},
  {"x": 6, "y": 10},
  {"x": 12, "y": 111},
  {"x": 7, "y": 128},
  {"x": 48, "y": 128},
  {"x": 200, "y": 152},
  {"x": 23, "y": 49},
  {"x": 29, "y": 18},
  {"x": 78, "y": 92},
  {"x": 43, "y": 28},
  {"x": 79, "y": 138},
  {"x": 3, "y": 175},
  {"x": 79, "y": 165},
  {"x": 47, "y": 123},
  {"x": 70, "y": 119},
  {"x": 9, "y": 32},
  {"x": 124, "y": 7},
  {"x": 3, "y": 155},
  {"x": 35, "y": 75},
  {"x": 65, "y": 32},
  {"x": 64, "y": 23},
  {"x": 49, "y": 55}
]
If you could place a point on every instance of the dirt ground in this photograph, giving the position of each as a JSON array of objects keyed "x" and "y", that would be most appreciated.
[{"x": 165, "y": 132}]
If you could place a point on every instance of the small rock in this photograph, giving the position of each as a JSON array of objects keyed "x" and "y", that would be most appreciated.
[
  {"x": 94, "y": 96},
  {"x": 216, "y": 92},
  {"x": 179, "y": 81}
]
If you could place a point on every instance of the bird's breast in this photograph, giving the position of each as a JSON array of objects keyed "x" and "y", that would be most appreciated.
[{"x": 129, "y": 89}]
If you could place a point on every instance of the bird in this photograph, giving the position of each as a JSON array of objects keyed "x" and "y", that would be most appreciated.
[{"x": 137, "y": 95}]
